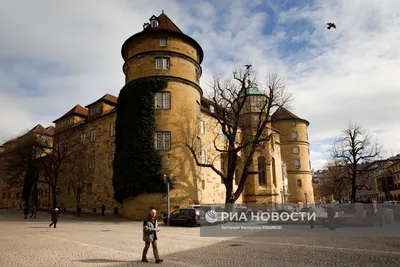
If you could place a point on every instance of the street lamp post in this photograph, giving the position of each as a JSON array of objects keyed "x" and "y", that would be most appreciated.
[{"x": 168, "y": 181}]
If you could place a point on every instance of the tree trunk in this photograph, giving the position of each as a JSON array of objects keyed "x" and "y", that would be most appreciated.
[
  {"x": 54, "y": 196},
  {"x": 78, "y": 204},
  {"x": 353, "y": 190}
]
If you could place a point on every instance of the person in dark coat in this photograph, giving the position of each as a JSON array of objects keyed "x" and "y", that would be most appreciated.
[
  {"x": 103, "y": 209},
  {"x": 26, "y": 212},
  {"x": 54, "y": 217},
  {"x": 331, "y": 217}
]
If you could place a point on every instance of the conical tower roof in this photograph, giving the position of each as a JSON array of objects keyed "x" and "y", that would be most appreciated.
[
  {"x": 165, "y": 24},
  {"x": 283, "y": 114}
]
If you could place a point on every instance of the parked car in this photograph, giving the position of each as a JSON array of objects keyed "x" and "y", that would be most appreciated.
[{"x": 186, "y": 217}]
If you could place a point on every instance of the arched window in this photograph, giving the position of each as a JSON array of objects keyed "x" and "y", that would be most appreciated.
[
  {"x": 273, "y": 172},
  {"x": 261, "y": 171}
]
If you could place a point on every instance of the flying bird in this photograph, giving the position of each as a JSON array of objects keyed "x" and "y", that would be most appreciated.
[
  {"x": 330, "y": 25},
  {"x": 248, "y": 66}
]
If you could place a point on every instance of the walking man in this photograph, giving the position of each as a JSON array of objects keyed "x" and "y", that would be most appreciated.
[
  {"x": 26, "y": 212},
  {"x": 150, "y": 229},
  {"x": 54, "y": 217},
  {"x": 331, "y": 217}
]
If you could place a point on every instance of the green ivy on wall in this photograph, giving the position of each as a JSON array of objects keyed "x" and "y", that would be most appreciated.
[{"x": 137, "y": 163}]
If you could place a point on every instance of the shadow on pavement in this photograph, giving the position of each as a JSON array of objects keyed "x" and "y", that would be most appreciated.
[{"x": 263, "y": 252}]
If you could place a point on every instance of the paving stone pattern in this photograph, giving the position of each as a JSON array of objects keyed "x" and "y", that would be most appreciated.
[{"x": 105, "y": 241}]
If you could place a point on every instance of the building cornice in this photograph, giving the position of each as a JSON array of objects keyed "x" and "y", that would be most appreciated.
[
  {"x": 172, "y": 78},
  {"x": 164, "y": 52},
  {"x": 161, "y": 32}
]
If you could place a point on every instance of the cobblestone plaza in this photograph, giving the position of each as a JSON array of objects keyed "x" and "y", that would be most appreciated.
[{"x": 108, "y": 241}]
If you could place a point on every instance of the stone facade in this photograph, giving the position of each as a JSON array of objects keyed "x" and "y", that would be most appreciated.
[
  {"x": 296, "y": 154},
  {"x": 168, "y": 52}
]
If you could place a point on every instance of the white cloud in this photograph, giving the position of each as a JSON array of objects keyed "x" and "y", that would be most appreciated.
[{"x": 70, "y": 53}]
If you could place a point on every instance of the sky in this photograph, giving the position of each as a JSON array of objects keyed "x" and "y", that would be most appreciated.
[{"x": 56, "y": 54}]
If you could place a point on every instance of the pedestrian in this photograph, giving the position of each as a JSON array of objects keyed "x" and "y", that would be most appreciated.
[
  {"x": 54, "y": 217},
  {"x": 331, "y": 217},
  {"x": 33, "y": 212},
  {"x": 150, "y": 229},
  {"x": 103, "y": 209},
  {"x": 26, "y": 212}
]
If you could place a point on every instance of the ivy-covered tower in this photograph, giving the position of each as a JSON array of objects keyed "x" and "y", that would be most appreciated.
[{"x": 162, "y": 50}]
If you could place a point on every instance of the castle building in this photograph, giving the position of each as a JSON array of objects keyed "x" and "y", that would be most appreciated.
[{"x": 161, "y": 49}]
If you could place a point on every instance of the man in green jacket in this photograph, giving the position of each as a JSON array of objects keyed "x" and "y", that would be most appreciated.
[{"x": 150, "y": 229}]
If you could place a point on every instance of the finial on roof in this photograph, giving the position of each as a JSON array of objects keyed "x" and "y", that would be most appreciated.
[{"x": 163, "y": 11}]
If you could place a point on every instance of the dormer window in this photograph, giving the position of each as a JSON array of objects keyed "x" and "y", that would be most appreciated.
[
  {"x": 211, "y": 108},
  {"x": 154, "y": 23}
]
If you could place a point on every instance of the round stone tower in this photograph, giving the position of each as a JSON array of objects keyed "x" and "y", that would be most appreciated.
[
  {"x": 162, "y": 49},
  {"x": 265, "y": 186},
  {"x": 295, "y": 150}
]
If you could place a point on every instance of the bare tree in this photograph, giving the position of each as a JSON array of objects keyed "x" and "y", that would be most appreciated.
[
  {"x": 19, "y": 165},
  {"x": 334, "y": 182},
  {"x": 76, "y": 177},
  {"x": 244, "y": 119},
  {"x": 54, "y": 160},
  {"x": 352, "y": 150}
]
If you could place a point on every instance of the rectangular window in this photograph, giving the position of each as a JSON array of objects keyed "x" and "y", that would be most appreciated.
[
  {"x": 294, "y": 135},
  {"x": 112, "y": 129},
  {"x": 163, "y": 100},
  {"x": 83, "y": 138},
  {"x": 202, "y": 129},
  {"x": 296, "y": 150},
  {"x": 111, "y": 158},
  {"x": 299, "y": 184},
  {"x": 93, "y": 135},
  {"x": 159, "y": 100},
  {"x": 163, "y": 140},
  {"x": 165, "y": 63},
  {"x": 158, "y": 63},
  {"x": 58, "y": 191},
  {"x": 167, "y": 140},
  {"x": 203, "y": 156},
  {"x": 89, "y": 189},
  {"x": 163, "y": 42},
  {"x": 167, "y": 100},
  {"x": 198, "y": 146},
  {"x": 297, "y": 163},
  {"x": 159, "y": 137}
]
